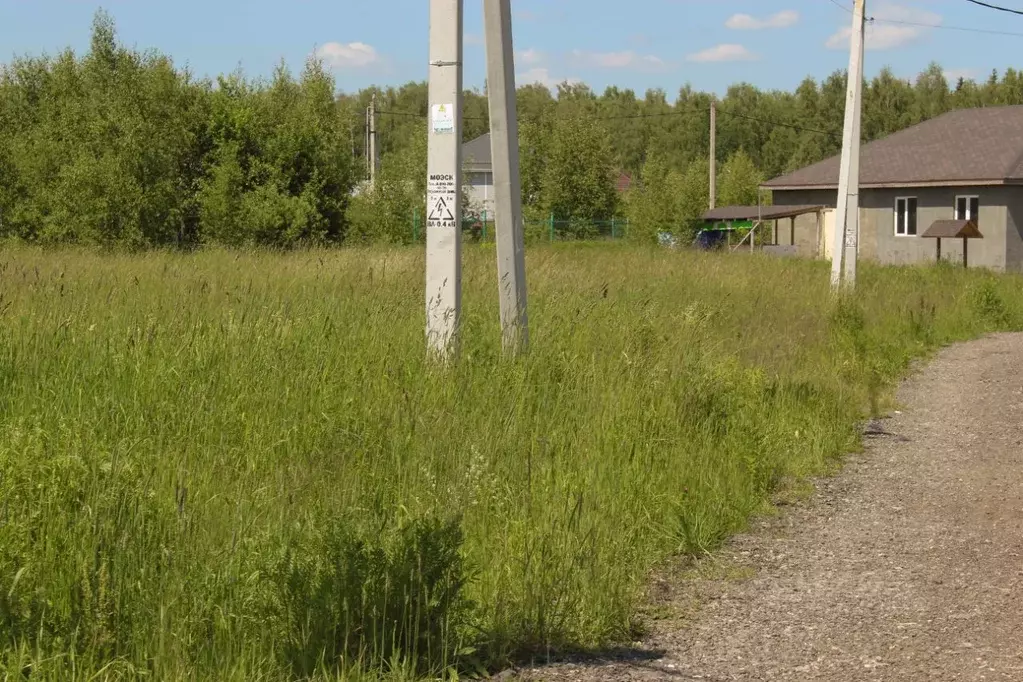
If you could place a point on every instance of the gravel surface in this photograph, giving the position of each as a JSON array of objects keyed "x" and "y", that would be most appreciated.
[{"x": 906, "y": 566}]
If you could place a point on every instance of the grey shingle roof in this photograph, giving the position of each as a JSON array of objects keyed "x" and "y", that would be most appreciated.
[
  {"x": 969, "y": 145},
  {"x": 476, "y": 153}
]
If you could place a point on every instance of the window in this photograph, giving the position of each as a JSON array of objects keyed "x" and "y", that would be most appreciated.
[
  {"x": 968, "y": 208},
  {"x": 905, "y": 216}
]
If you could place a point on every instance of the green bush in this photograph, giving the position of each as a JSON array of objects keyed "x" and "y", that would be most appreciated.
[{"x": 120, "y": 148}]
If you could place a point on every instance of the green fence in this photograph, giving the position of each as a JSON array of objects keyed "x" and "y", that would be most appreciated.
[{"x": 481, "y": 229}]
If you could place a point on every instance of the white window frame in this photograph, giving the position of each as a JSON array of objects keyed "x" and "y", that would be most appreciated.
[
  {"x": 895, "y": 217},
  {"x": 969, "y": 198}
]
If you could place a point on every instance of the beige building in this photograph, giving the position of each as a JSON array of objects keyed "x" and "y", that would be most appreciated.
[{"x": 965, "y": 165}]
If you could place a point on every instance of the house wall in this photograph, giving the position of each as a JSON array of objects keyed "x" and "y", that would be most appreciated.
[
  {"x": 879, "y": 242},
  {"x": 480, "y": 185},
  {"x": 807, "y": 237},
  {"x": 1014, "y": 228}
]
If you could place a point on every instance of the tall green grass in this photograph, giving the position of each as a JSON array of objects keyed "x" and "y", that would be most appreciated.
[{"x": 241, "y": 466}]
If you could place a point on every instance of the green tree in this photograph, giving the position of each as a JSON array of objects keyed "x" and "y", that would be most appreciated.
[
  {"x": 651, "y": 205},
  {"x": 280, "y": 171},
  {"x": 694, "y": 197},
  {"x": 577, "y": 182},
  {"x": 739, "y": 181}
]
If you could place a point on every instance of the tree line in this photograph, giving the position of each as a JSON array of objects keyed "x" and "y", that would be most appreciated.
[{"x": 118, "y": 146}]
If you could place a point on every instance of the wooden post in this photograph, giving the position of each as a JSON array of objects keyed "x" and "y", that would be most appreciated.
[
  {"x": 818, "y": 245},
  {"x": 939, "y": 248},
  {"x": 713, "y": 154},
  {"x": 792, "y": 230},
  {"x": 965, "y": 241}
]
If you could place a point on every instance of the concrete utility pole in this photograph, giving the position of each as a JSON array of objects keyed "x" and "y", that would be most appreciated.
[
  {"x": 444, "y": 179},
  {"x": 713, "y": 154},
  {"x": 852, "y": 242},
  {"x": 847, "y": 212},
  {"x": 504, "y": 148},
  {"x": 373, "y": 158}
]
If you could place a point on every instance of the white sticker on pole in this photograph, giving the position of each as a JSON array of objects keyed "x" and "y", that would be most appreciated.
[{"x": 442, "y": 118}]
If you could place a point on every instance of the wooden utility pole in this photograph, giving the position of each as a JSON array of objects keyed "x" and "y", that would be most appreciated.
[
  {"x": 373, "y": 158},
  {"x": 504, "y": 148},
  {"x": 444, "y": 180},
  {"x": 847, "y": 213},
  {"x": 365, "y": 143},
  {"x": 713, "y": 154}
]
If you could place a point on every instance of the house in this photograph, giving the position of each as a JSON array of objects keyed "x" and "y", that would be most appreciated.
[
  {"x": 963, "y": 165},
  {"x": 479, "y": 174},
  {"x": 477, "y": 164}
]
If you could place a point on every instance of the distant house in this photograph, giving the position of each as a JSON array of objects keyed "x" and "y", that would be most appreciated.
[
  {"x": 963, "y": 165},
  {"x": 478, "y": 165}
]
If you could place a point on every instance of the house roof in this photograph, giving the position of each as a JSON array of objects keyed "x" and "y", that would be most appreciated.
[
  {"x": 950, "y": 229},
  {"x": 964, "y": 147},
  {"x": 758, "y": 212},
  {"x": 624, "y": 182},
  {"x": 476, "y": 153}
]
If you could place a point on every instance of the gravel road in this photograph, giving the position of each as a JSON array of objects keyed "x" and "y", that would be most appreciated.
[{"x": 906, "y": 566}]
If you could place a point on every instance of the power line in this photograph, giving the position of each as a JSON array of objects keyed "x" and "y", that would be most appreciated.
[
  {"x": 413, "y": 115},
  {"x": 662, "y": 114},
  {"x": 944, "y": 27},
  {"x": 967, "y": 29},
  {"x": 996, "y": 7},
  {"x": 408, "y": 114},
  {"x": 777, "y": 123}
]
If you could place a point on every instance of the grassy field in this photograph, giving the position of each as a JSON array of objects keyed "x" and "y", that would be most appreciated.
[{"x": 241, "y": 467}]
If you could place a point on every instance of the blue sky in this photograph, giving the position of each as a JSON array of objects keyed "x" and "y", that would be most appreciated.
[{"x": 630, "y": 43}]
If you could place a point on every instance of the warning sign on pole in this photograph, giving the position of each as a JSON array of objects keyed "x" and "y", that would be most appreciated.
[
  {"x": 440, "y": 210},
  {"x": 440, "y": 201}
]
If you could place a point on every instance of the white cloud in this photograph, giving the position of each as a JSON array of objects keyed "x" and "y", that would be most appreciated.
[
  {"x": 617, "y": 60},
  {"x": 724, "y": 53},
  {"x": 542, "y": 76},
  {"x": 348, "y": 56},
  {"x": 530, "y": 57},
  {"x": 953, "y": 75},
  {"x": 882, "y": 35},
  {"x": 745, "y": 22}
]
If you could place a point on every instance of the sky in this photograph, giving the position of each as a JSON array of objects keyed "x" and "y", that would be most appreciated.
[{"x": 638, "y": 44}]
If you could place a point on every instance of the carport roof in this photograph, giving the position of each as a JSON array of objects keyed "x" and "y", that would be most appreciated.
[{"x": 759, "y": 212}]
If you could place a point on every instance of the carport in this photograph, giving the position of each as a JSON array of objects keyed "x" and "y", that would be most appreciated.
[{"x": 726, "y": 217}]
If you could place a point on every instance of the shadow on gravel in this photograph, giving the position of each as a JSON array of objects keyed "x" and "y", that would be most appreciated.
[{"x": 625, "y": 657}]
